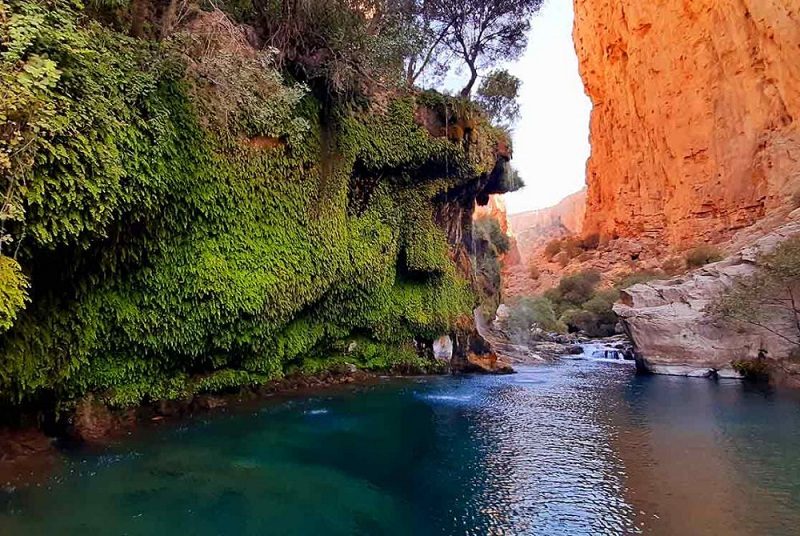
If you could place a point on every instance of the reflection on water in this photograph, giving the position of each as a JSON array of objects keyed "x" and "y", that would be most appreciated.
[{"x": 575, "y": 448}]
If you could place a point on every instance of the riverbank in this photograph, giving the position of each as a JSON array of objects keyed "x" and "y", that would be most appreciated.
[{"x": 29, "y": 453}]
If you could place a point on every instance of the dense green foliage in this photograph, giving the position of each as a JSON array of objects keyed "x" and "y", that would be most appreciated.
[
  {"x": 13, "y": 295},
  {"x": 752, "y": 369},
  {"x": 497, "y": 96},
  {"x": 576, "y": 304},
  {"x": 584, "y": 307},
  {"x": 491, "y": 243},
  {"x": 488, "y": 229},
  {"x": 167, "y": 254}
]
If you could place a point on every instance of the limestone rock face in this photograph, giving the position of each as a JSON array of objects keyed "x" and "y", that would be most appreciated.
[
  {"x": 695, "y": 129},
  {"x": 443, "y": 348},
  {"x": 673, "y": 335}
]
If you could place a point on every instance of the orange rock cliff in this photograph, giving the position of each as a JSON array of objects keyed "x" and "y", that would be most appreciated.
[
  {"x": 695, "y": 129},
  {"x": 495, "y": 208}
]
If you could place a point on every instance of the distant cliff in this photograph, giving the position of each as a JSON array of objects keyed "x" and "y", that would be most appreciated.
[
  {"x": 695, "y": 129},
  {"x": 532, "y": 231},
  {"x": 537, "y": 227}
]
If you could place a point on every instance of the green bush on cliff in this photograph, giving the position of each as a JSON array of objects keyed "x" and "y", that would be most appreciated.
[
  {"x": 490, "y": 243},
  {"x": 702, "y": 255},
  {"x": 167, "y": 254}
]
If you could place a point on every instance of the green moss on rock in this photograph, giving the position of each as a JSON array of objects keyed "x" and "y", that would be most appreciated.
[{"x": 165, "y": 258}]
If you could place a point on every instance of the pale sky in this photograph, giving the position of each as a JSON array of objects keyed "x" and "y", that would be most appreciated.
[{"x": 551, "y": 139}]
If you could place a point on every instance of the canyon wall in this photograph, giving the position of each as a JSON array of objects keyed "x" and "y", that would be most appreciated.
[
  {"x": 531, "y": 232},
  {"x": 537, "y": 227},
  {"x": 694, "y": 128},
  {"x": 495, "y": 208}
]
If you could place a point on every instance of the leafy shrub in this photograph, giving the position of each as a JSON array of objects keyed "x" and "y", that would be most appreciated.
[
  {"x": 334, "y": 46},
  {"x": 602, "y": 301},
  {"x": 752, "y": 369},
  {"x": 239, "y": 91},
  {"x": 590, "y": 241},
  {"x": 488, "y": 228},
  {"x": 702, "y": 255},
  {"x": 673, "y": 266},
  {"x": 582, "y": 307},
  {"x": 565, "y": 249},
  {"x": 579, "y": 320},
  {"x": 759, "y": 299},
  {"x": 528, "y": 313},
  {"x": 553, "y": 248},
  {"x": 572, "y": 247},
  {"x": 595, "y": 317},
  {"x": 576, "y": 289}
]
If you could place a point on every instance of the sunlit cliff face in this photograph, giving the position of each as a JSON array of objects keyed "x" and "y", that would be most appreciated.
[{"x": 694, "y": 130}]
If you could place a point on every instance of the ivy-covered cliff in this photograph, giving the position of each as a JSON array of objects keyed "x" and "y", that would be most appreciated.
[{"x": 180, "y": 217}]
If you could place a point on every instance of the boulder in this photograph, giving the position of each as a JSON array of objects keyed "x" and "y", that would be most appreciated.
[
  {"x": 672, "y": 334},
  {"x": 443, "y": 348}
]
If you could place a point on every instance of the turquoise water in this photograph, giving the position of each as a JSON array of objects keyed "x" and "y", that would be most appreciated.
[{"x": 573, "y": 448}]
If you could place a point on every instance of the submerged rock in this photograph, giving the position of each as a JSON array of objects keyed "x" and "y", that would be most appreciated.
[
  {"x": 94, "y": 422},
  {"x": 486, "y": 363}
]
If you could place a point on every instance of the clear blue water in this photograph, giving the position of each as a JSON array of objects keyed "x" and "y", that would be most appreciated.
[{"x": 574, "y": 448}]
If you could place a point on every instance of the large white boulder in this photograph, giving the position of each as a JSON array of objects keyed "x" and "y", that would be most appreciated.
[{"x": 672, "y": 333}]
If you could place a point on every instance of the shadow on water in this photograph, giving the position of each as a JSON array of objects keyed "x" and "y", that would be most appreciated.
[{"x": 574, "y": 448}]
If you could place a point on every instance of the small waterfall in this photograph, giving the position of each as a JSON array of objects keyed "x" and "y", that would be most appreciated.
[{"x": 604, "y": 351}]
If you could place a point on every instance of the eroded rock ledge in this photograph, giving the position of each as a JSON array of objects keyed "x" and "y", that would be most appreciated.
[{"x": 667, "y": 323}]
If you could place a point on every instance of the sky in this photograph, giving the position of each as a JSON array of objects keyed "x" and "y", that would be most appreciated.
[{"x": 551, "y": 139}]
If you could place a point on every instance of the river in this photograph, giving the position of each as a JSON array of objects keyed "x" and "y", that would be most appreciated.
[{"x": 578, "y": 447}]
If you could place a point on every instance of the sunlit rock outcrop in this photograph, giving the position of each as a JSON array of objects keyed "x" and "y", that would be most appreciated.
[{"x": 669, "y": 323}]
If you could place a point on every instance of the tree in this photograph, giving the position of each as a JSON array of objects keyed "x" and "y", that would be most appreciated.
[
  {"x": 497, "y": 96},
  {"x": 425, "y": 36},
  {"x": 772, "y": 292},
  {"x": 484, "y": 32},
  {"x": 341, "y": 47}
]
